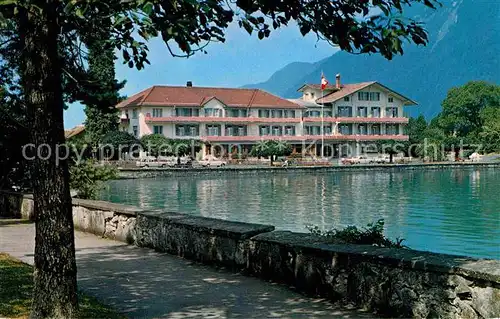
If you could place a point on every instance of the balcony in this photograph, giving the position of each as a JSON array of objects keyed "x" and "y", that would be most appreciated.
[
  {"x": 336, "y": 137},
  {"x": 392, "y": 120},
  {"x": 202, "y": 119}
]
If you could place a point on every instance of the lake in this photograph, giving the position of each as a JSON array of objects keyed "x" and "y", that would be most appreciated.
[{"x": 454, "y": 211}]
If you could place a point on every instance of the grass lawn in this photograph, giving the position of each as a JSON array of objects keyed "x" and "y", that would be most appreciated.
[{"x": 16, "y": 285}]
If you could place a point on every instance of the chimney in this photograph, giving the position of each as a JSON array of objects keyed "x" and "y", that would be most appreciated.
[
  {"x": 337, "y": 81},
  {"x": 189, "y": 84}
]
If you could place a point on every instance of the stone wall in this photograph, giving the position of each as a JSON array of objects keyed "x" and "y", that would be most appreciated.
[
  {"x": 16, "y": 205},
  {"x": 132, "y": 173},
  {"x": 207, "y": 240},
  {"x": 391, "y": 282},
  {"x": 396, "y": 282}
]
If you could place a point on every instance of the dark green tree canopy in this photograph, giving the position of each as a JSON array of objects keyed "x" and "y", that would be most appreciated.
[
  {"x": 271, "y": 148},
  {"x": 121, "y": 141},
  {"x": 156, "y": 144},
  {"x": 463, "y": 105}
]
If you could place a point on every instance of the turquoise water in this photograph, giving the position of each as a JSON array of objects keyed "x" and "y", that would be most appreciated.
[{"x": 454, "y": 211}]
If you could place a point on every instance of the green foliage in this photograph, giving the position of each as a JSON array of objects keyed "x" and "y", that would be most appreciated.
[
  {"x": 101, "y": 89},
  {"x": 156, "y": 144},
  {"x": 391, "y": 147},
  {"x": 470, "y": 117},
  {"x": 121, "y": 142},
  {"x": 87, "y": 178},
  {"x": 13, "y": 134},
  {"x": 271, "y": 148},
  {"x": 463, "y": 105},
  {"x": 416, "y": 128},
  {"x": 490, "y": 135},
  {"x": 372, "y": 234}
]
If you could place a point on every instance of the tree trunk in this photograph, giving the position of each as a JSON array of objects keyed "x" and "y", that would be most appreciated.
[{"x": 55, "y": 288}]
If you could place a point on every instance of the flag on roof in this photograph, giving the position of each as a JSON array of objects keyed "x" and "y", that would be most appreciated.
[{"x": 324, "y": 81}]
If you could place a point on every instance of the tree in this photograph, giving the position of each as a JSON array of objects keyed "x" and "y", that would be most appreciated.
[
  {"x": 87, "y": 178},
  {"x": 391, "y": 147},
  {"x": 119, "y": 142},
  {"x": 433, "y": 144},
  {"x": 156, "y": 144},
  {"x": 462, "y": 107},
  {"x": 102, "y": 88},
  {"x": 416, "y": 128},
  {"x": 50, "y": 32},
  {"x": 13, "y": 133},
  {"x": 490, "y": 135},
  {"x": 271, "y": 148}
]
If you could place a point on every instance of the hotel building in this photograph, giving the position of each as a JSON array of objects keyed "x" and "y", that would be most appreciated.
[{"x": 353, "y": 115}]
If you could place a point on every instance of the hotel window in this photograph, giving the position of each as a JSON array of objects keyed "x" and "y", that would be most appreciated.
[
  {"x": 264, "y": 130},
  {"x": 237, "y": 113},
  {"x": 263, "y": 113},
  {"x": 158, "y": 129},
  {"x": 276, "y": 131},
  {"x": 363, "y": 96},
  {"x": 157, "y": 112},
  {"x": 242, "y": 130},
  {"x": 391, "y": 99},
  {"x": 391, "y": 129},
  {"x": 391, "y": 112},
  {"x": 232, "y": 130},
  {"x": 375, "y": 111},
  {"x": 187, "y": 130},
  {"x": 345, "y": 129},
  {"x": 345, "y": 111},
  {"x": 374, "y": 96},
  {"x": 213, "y": 130},
  {"x": 276, "y": 113},
  {"x": 362, "y": 129},
  {"x": 213, "y": 112},
  {"x": 313, "y": 130},
  {"x": 346, "y": 99},
  {"x": 368, "y": 96},
  {"x": 376, "y": 129},
  {"x": 363, "y": 111},
  {"x": 289, "y": 114},
  {"x": 183, "y": 111},
  {"x": 313, "y": 114},
  {"x": 290, "y": 130},
  {"x": 327, "y": 130},
  {"x": 134, "y": 113},
  {"x": 135, "y": 131}
]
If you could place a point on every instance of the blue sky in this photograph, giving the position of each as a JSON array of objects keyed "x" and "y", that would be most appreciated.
[{"x": 241, "y": 60}]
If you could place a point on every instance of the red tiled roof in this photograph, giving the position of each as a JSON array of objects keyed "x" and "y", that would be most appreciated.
[
  {"x": 196, "y": 96},
  {"x": 345, "y": 90},
  {"x": 318, "y": 87},
  {"x": 348, "y": 89},
  {"x": 74, "y": 131}
]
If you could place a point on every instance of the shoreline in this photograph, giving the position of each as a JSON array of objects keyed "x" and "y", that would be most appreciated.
[{"x": 136, "y": 173}]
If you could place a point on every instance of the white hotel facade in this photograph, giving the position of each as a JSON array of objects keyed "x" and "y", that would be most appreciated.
[{"x": 353, "y": 115}]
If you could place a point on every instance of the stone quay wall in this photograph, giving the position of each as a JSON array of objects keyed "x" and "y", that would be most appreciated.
[
  {"x": 151, "y": 172},
  {"x": 391, "y": 282}
]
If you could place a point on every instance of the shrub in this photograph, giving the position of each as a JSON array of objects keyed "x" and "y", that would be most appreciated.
[
  {"x": 120, "y": 142},
  {"x": 372, "y": 234},
  {"x": 87, "y": 178}
]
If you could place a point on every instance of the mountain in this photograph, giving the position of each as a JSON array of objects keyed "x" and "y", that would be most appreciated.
[{"x": 464, "y": 45}]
